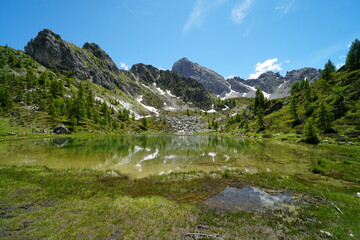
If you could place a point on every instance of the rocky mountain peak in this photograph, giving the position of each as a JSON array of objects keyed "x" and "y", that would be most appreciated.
[
  {"x": 89, "y": 62},
  {"x": 212, "y": 81}
]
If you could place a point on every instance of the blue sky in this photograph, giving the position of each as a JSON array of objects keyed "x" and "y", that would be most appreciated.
[{"x": 232, "y": 37}]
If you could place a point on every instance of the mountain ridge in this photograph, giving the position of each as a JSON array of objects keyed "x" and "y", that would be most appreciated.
[{"x": 269, "y": 82}]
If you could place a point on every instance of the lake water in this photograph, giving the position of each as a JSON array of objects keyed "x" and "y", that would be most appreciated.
[{"x": 139, "y": 156}]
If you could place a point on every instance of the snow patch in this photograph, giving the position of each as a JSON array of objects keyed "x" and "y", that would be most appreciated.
[
  {"x": 99, "y": 99},
  {"x": 170, "y": 94},
  {"x": 231, "y": 94},
  {"x": 159, "y": 89},
  {"x": 149, "y": 108},
  {"x": 212, "y": 110},
  {"x": 266, "y": 95}
]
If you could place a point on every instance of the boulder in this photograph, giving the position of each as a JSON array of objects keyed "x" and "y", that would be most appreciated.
[{"x": 61, "y": 129}]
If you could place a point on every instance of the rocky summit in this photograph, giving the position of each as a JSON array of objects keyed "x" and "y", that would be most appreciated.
[
  {"x": 89, "y": 62},
  {"x": 212, "y": 81}
]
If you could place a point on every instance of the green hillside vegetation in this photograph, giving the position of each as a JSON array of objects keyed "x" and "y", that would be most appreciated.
[
  {"x": 329, "y": 107},
  {"x": 34, "y": 97}
]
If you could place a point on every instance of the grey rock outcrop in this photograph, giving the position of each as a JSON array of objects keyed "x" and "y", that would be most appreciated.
[
  {"x": 89, "y": 62},
  {"x": 310, "y": 74},
  {"x": 267, "y": 82},
  {"x": 212, "y": 81}
]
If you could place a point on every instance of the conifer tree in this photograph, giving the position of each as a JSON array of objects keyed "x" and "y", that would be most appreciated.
[
  {"x": 328, "y": 69},
  {"x": 260, "y": 119},
  {"x": 310, "y": 132},
  {"x": 259, "y": 100},
  {"x": 6, "y": 101},
  {"x": 293, "y": 110},
  {"x": 353, "y": 57},
  {"x": 324, "y": 118}
]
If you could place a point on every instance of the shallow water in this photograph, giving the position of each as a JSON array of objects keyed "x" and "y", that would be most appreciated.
[
  {"x": 248, "y": 199},
  {"x": 142, "y": 155}
]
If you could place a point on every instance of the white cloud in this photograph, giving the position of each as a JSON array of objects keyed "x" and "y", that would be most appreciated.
[
  {"x": 124, "y": 66},
  {"x": 239, "y": 12},
  {"x": 342, "y": 56},
  {"x": 287, "y": 61},
  {"x": 348, "y": 45},
  {"x": 267, "y": 65},
  {"x": 284, "y": 9},
  {"x": 200, "y": 11},
  {"x": 339, "y": 65}
]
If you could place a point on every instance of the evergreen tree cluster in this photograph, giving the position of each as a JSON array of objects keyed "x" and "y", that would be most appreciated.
[
  {"x": 353, "y": 56},
  {"x": 51, "y": 93}
]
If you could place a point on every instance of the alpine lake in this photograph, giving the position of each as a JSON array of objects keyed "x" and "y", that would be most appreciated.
[{"x": 142, "y": 155}]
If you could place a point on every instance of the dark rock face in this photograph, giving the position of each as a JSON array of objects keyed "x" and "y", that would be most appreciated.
[
  {"x": 186, "y": 88},
  {"x": 236, "y": 84},
  {"x": 267, "y": 82},
  {"x": 89, "y": 62},
  {"x": 212, "y": 81}
]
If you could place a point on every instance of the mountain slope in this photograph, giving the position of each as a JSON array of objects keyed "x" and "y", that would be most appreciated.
[
  {"x": 334, "y": 101},
  {"x": 185, "y": 88}
]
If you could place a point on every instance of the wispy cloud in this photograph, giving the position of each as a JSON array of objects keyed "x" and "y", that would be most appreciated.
[
  {"x": 285, "y": 8},
  {"x": 124, "y": 66},
  {"x": 199, "y": 13},
  {"x": 267, "y": 65},
  {"x": 240, "y": 11}
]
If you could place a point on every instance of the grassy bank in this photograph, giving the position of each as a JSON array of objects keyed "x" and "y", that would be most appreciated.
[{"x": 37, "y": 202}]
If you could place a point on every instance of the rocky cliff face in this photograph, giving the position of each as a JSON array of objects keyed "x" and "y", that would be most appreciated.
[
  {"x": 310, "y": 74},
  {"x": 89, "y": 62},
  {"x": 267, "y": 82},
  {"x": 213, "y": 82}
]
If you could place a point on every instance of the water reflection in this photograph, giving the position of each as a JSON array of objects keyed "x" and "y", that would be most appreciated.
[
  {"x": 140, "y": 156},
  {"x": 249, "y": 199}
]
